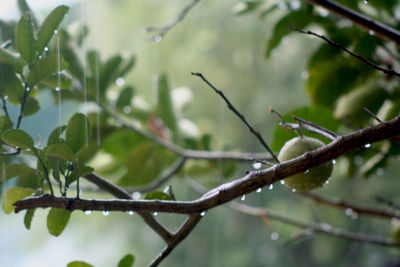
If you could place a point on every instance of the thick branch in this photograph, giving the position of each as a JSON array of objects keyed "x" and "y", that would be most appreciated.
[
  {"x": 360, "y": 19},
  {"x": 229, "y": 191},
  {"x": 348, "y": 205}
]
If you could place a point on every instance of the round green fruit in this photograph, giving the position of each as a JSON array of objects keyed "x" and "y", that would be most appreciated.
[
  {"x": 313, "y": 178},
  {"x": 395, "y": 230}
]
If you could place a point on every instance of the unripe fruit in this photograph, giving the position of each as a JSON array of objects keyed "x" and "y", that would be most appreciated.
[
  {"x": 395, "y": 230},
  {"x": 312, "y": 178}
]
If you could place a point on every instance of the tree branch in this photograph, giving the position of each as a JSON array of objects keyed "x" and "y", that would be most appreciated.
[{"x": 360, "y": 19}]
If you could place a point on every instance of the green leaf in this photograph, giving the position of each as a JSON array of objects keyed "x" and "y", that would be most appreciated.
[
  {"x": 127, "y": 261},
  {"x": 60, "y": 80},
  {"x": 18, "y": 138},
  {"x": 24, "y": 8},
  {"x": 45, "y": 68},
  {"x": 11, "y": 59},
  {"x": 78, "y": 131},
  {"x": 126, "y": 65},
  {"x": 125, "y": 98},
  {"x": 319, "y": 115},
  {"x": 49, "y": 26},
  {"x": 60, "y": 151},
  {"x": 10, "y": 85},
  {"x": 79, "y": 264},
  {"x": 28, "y": 218},
  {"x": 54, "y": 137},
  {"x": 12, "y": 195},
  {"x": 5, "y": 123},
  {"x": 108, "y": 71},
  {"x": 165, "y": 107},
  {"x": 121, "y": 142},
  {"x": 86, "y": 153},
  {"x": 19, "y": 169},
  {"x": 31, "y": 106},
  {"x": 94, "y": 62},
  {"x": 70, "y": 56},
  {"x": 24, "y": 38},
  {"x": 57, "y": 220},
  {"x": 158, "y": 195},
  {"x": 298, "y": 19}
]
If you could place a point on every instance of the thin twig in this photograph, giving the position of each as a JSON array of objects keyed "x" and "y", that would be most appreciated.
[
  {"x": 318, "y": 227},
  {"x": 4, "y": 107},
  {"x": 361, "y": 58},
  {"x": 353, "y": 206},
  {"x": 379, "y": 28},
  {"x": 164, "y": 29},
  {"x": 372, "y": 114},
  {"x": 237, "y": 113}
]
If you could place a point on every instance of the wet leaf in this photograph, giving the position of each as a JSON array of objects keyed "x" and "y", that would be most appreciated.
[
  {"x": 24, "y": 38},
  {"x": 18, "y": 138},
  {"x": 121, "y": 142},
  {"x": 31, "y": 106},
  {"x": 11, "y": 59},
  {"x": 19, "y": 169},
  {"x": 5, "y": 123},
  {"x": 125, "y": 97},
  {"x": 127, "y": 261},
  {"x": 60, "y": 151},
  {"x": 45, "y": 68},
  {"x": 28, "y": 218},
  {"x": 54, "y": 137},
  {"x": 78, "y": 131},
  {"x": 12, "y": 195},
  {"x": 24, "y": 8},
  {"x": 57, "y": 220},
  {"x": 60, "y": 80}
]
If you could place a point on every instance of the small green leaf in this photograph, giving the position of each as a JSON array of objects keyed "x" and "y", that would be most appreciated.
[
  {"x": 125, "y": 98},
  {"x": 121, "y": 142},
  {"x": 5, "y": 123},
  {"x": 49, "y": 26},
  {"x": 54, "y": 137},
  {"x": 60, "y": 151},
  {"x": 60, "y": 80},
  {"x": 108, "y": 71},
  {"x": 31, "y": 106},
  {"x": 79, "y": 264},
  {"x": 24, "y": 38},
  {"x": 19, "y": 169},
  {"x": 127, "y": 261},
  {"x": 78, "y": 131},
  {"x": 45, "y": 68},
  {"x": 165, "y": 107},
  {"x": 28, "y": 218},
  {"x": 57, "y": 220},
  {"x": 10, "y": 85},
  {"x": 24, "y": 7},
  {"x": 18, "y": 138},
  {"x": 86, "y": 153},
  {"x": 94, "y": 62},
  {"x": 158, "y": 195},
  {"x": 12, "y": 195},
  {"x": 11, "y": 59}
]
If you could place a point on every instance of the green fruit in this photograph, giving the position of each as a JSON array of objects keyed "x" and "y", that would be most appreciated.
[
  {"x": 395, "y": 230},
  {"x": 313, "y": 178}
]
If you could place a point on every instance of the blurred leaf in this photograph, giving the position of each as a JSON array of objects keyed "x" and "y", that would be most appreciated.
[
  {"x": 5, "y": 123},
  {"x": 10, "y": 85},
  {"x": 366, "y": 46},
  {"x": 60, "y": 151},
  {"x": 198, "y": 167},
  {"x": 319, "y": 115},
  {"x": 377, "y": 161},
  {"x": 125, "y": 98},
  {"x": 244, "y": 7},
  {"x": 79, "y": 264},
  {"x": 12, "y": 195},
  {"x": 54, "y": 137},
  {"x": 57, "y": 220},
  {"x": 70, "y": 56},
  {"x": 387, "y": 5},
  {"x": 18, "y": 138},
  {"x": 24, "y": 8},
  {"x": 121, "y": 142},
  {"x": 19, "y": 169},
  {"x": 389, "y": 110},
  {"x": 60, "y": 80},
  {"x": 144, "y": 163},
  {"x": 297, "y": 19},
  {"x": 158, "y": 195},
  {"x": 24, "y": 38},
  {"x": 108, "y": 71},
  {"x": 86, "y": 153},
  {"x": 127, "y": 64},
  {"x": 49, "y": 26},
  {"x": 94, "y": 62},
  {"x": 78, "y": 131},
  {"x": 11, "y": 59},
  {"x": 44, "y": 68},
  {"x": 7, "y": 30},
  {"x": 127, "y": 261},
  {"x": 165, "y": 107},
  {"x": 28, "y": 218},
  {"x": 31, "y": 106}
]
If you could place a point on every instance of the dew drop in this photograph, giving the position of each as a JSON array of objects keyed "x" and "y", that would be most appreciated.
[
  {"x": 5, "y": 97},
  {"x": 334, "y": 161},
  {"x": 274, "y": 236},
  {"x": 46, "y": 49},
  {"x": 294, "y": 190},
  {"x": 243, "y": 197},
  {"x": 365, "y": 1},
  {"x": 354, "y": 216},
  {"x": 136, "y": 195},
  {"x": 55, "y": 31},
  {"x": 257, "y": 165},
  {"x": 157, "y": 38},
  {"x": 271, "y": 186},
  {"x": 327, "y": 182},
  {"x": 202, "y": 213},
  {"x": 28, "y": 89},
  {"x": 372, "y": 33},
  {"x": 88, "y": 212},
  {"x": 120, "y": 81},
  {"x": 306, "y": 171},
  {"x": 258, "y": 190},
  {"x": 294, "y": 5},
  {"x": 106, "y": 212},
  {"x": 57, "y": 89},
  {"x": 127, "y": 109},
  {"x": 348, "y": 212},
  {"x": 131, "y": 212},
  {"x": 282, "y": 182},
  {"x": 40, "y": 57},
  {"x": 367, "y": 145},
  {"x": 326, "y": 227},
  {"x": 155, "y": 213}
]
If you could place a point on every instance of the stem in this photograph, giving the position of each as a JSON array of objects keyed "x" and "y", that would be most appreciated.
[
  {"x": 21, "y": 112},
  {"x": 5, "y": 107},
  {"x": 46, "y": 172}
]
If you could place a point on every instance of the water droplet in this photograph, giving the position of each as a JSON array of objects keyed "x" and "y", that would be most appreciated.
[
  {"x": 155, "y": 213},
  {"x": 257, "y": 165},
  {"x": 57, "y": 89},
  {"x": 28, "y": 89},
  {"x": 55, "y": 31},
  {"x": 127, "y": 109},
  {"x": 380, "y": 171},
  {"x": 348, "y": 212},
  {"x": 202, "y": 213},
  {"x": 294, "y": 5},
  {"x": 88, "y": 212},
  {"x": 322, "y": 12},
  {"x": 40, "y": 57},
  {"x": 157, "y": 38},
  {"x": 243, "y": 197},
  {"x": 120, "y": 81},
  {"x": 326, "y": 227},
  {"x": 354, "y": 216},
  {"x": 106, "y": 212},
  {"x": 131, "y": 212},
  {"x": 46, "y": 49},
  {"x": 306, "y": 171},
  {"x": 334, "y": 161},
  {"x": 282, "y": 6},
  {"x": 327, "y": 182},
  {"x": 5, "y": 97},
  {"x": 258, "y": 190},
  {"x": 271, "y": 186},
  {"x": 294, "y": 190},
  {"x": 365, "y": 1},
  {"x": 274, "y": 236},
  {"x": 136, "y": 195},
  {"x": 282, "y": 182},
  {"x": 367, "y": 145},
  {"x": 372, "y": 33}
]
